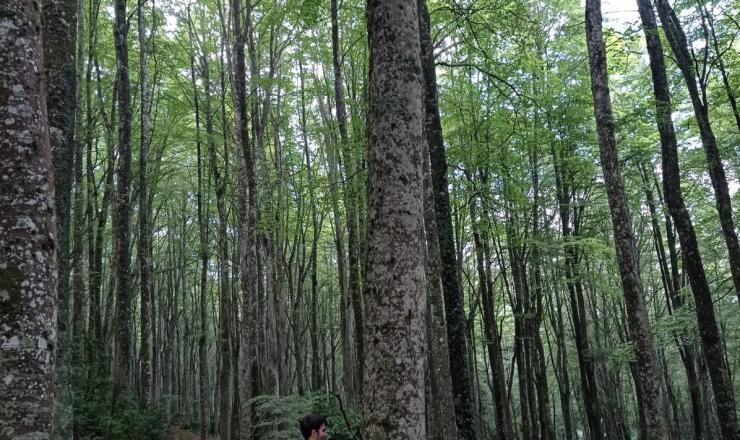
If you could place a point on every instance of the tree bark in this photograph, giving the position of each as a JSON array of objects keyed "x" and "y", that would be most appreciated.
[
  {"x": 677, "y": 40},
  {"x": 145, "y": 351},
  {"x": 28, "y": 297},
  {"x": 395, "y": 333},
  {"x": 649, "y": 383},
  {"x": 711, "y": 340},
  {"x": 350, "y": 207},
  {"x": 454, "y": 313},
  {"x": 122, "y": 231}
]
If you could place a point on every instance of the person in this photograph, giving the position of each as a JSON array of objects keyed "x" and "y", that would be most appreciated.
[{"x": 313, "y": 427}]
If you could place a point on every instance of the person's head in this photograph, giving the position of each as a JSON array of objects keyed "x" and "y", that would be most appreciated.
[{"x": 313, "y": 427}]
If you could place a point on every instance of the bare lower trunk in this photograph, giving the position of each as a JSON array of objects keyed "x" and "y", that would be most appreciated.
[
  {"x": 711, "y": 340},
  {"x": 395, "y": 333},
  {"x": 649, "y": 383},
  {"x": 28, "y": 299}
]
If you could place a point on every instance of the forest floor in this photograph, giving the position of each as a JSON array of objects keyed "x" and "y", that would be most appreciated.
[{"x": 177, "y": 433}]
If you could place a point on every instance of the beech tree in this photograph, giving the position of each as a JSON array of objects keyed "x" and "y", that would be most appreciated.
[
  {"x": 28, "y": 267},
  {"x": 395, "y": 332}
]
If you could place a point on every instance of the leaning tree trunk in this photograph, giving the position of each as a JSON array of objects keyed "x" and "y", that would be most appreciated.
[
  {"x": 395, "y": 333},
  {"x": 453, "y": 298},
  {"x": 122, "y": 234},
  {"x": 677, "y": 39},
  {"x": 711, "y": 340},
  {"x": 28, "y": 285},
  {"x": 649, "y": 382}
]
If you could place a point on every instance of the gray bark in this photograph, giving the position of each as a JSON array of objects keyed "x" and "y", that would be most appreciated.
[
  {"x": 649, "y": 383},
  {"x": 711, "y": 341},
  {"x": 28, "y": 268},
  {"x": 395, "y": 333}
]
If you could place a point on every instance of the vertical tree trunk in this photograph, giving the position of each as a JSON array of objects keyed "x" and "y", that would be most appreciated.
[
  {"x": 454, "y": 313},
  {"x": 248, "y": 212},
  {"x": 711, "y": 340},
  {"x": 395, "y": 333},
  {"x": 145, "y": 353},
  {"x": 504, "y": 422},
  {"x": 649, "y": 383},
  {"x": 677, "y": 39},
  {"x": 122, "y": 231},
  {"x": 350, "y": 208},
  {"x": 28, "y": 298},
  {"x": 443, "y": 408},
  {"x": 316, "y": 381},
  {"x": 203, "y": 251}
]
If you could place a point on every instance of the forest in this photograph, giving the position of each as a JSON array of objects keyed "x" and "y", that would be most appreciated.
[{"x": 421, "y": 219}]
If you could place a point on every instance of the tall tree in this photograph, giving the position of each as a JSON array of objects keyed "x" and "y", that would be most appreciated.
[
  {"x": 453, "y": 298},
  {"x": 354, "y": 296},
  {"x": 698, "y": 94},
  {"x": 649, "y": 380},
  {"x": 145, "y": 301},
  {"x": 711, "y": 340},
  {"x": 122, "y": 229},
  {"x": 395, "y": 331},
  {"x": 28, "y": 268}
]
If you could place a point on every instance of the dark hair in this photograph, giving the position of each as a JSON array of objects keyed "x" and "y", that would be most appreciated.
[{"x": 310, "y": 423}]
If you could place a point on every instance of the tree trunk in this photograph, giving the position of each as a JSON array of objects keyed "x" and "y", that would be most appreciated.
[
  {"x": 443, "y": 408},
  {"x": 395, "y": 333},
  {"x": 677, "y": 39},
  {"x": 145, "y": 352},
  {"x": 122, "y": 231},
  {"x": 504, "y": 423},
  {"x": 649, "y": 383},
  {"x": 350, "y": 208},
  {"x": 28, "y": 297},
  {"x": 454, "y": 313},
  {"x": 711, "y": 339}
]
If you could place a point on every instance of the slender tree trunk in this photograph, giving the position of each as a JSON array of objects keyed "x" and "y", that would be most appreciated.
[
  {"x": 395, "y": 333},
  {"x": 122, "y": 231},
  {"x": 649, "y": 383},
  {"x": 711, "y": 340},
  {"x": 203, "y": 251},
  {"x": 28, "y": 299},
  {"x": 504, "y": 422},
  {"x": 145, "y": 353},
  {"x": 454, "y": 313},
  {"x": 248, "y": 214},
  {"x": 443, "y": 408},
  {"x": 677, "y": 40},
  {"x": 350, "y": 207}
]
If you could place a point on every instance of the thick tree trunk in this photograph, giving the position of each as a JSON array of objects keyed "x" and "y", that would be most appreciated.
[
  {"x": 711, "y": 340},
  {"x": 649, "y": 383},
  {"x": 395, "y": 333},
  {"x": 122, "y": 230},
  {"x": 454, "y": 313},
  {"x": 28, "y": 299}
]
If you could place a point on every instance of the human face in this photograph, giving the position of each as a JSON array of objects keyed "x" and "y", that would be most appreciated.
[{"x": 321, "y": 434}]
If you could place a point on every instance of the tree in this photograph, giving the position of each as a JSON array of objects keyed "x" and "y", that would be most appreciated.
[
  {"x": 624, "y": 239},
  {"x": 395, "y": 326},
  {"x": 122, "y": 250},
  {"x": 28, "y": 267},
  {"x": 711, "y": 341}
]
